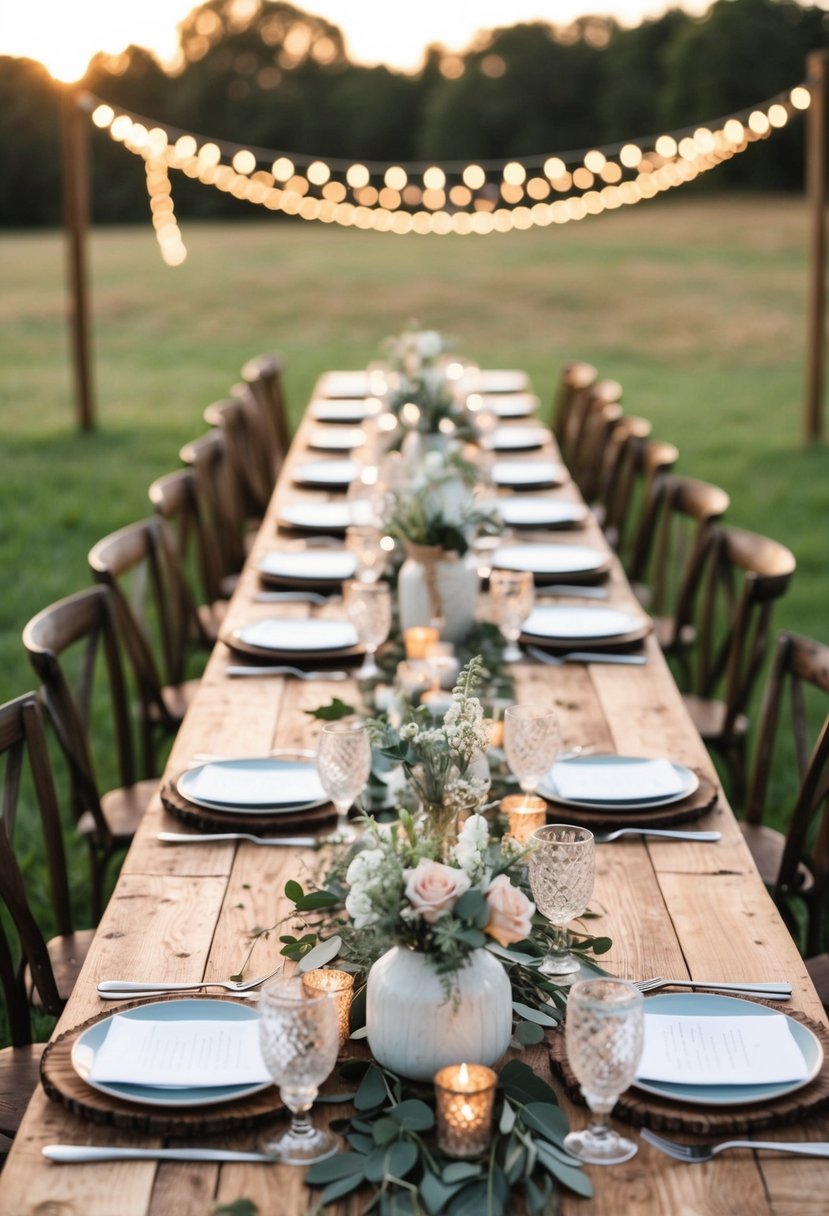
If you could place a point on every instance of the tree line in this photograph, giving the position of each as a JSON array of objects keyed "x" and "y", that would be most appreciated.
[{"x": 269, "y": 75}]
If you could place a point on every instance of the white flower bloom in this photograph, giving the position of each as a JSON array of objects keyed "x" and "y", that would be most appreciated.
[
  {"x": 429, "y": 344},
  {"x": 364, "y": 867},
  {"x": 359, "y": 907}
]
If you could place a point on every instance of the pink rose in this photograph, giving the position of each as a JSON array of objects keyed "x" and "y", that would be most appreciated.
[
  {"x": 510, "y": 912},
  {"x": 433, "y": 888}
]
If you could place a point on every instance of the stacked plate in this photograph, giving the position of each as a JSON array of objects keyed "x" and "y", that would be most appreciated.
[
  {"x": 326, "y": 474},
  {"x": 269, "y": 785},
  {"x": 345, "y": 384},
  {"x": 510, "y": 405},
  {"x": 576, "y": 626},
  {"x": 528, "y": 474},
  {"x": 527, "y": 512},
  {"x": 336, "y": 438},
  {"x": 549, "y": 562},
  {"x": 497, "y": 380},
  {"x": 617, "y": 783},
  {"x": 519, "y": 438},
  {"x": 316, "y": 638},
  {"x": 308, "y": 567},
  {"x": 348, "y": 410},
  {"x": 313, "y": 516}
]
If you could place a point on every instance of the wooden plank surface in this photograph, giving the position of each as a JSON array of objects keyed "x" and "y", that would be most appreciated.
[{"x": 185, "y": 913}]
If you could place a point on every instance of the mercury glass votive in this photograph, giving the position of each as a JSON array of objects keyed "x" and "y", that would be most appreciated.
[
  {"x": 418, "y": 639},
  {"x": 524, "y": 814},
  {"x": 465, "y": 1097},
  {"x": 339, "y": 985}
]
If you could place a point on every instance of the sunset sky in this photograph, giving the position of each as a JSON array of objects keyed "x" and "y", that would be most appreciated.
[{"x": 64, "y": 34}]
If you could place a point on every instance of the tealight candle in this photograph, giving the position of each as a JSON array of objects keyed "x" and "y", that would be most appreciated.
[
  {"x": 418, "y": 639},
  {"x": 443, "y": 664},
  {"x": 465, "y": 1097},
  {"x": 338, "y": 984},
  {"x": 524, "y": 814}
]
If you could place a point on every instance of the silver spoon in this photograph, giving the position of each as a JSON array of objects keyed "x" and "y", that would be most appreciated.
[{"x": 606, "y": 837}]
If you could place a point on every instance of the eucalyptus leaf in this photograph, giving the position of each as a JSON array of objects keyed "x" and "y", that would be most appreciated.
[
  {"x": 361, "y": 1033},
  {"x": 293, "y": 890},
  {"x": 316, "y": 899},
  {"x": 414, "y": 1115},
  {"x": 547, "y": 1119},
  {"x": 512, "y": 956},
  {"x": 336, "y": 1190},
  {"x": 527, "y": 1034},
  {"x": 335, "y": 1099},
  {"x": 460, "y": 1171},
  {"x": 372, "y": 1091},
  {"x": 521, "y": 1085},
  {"x": 534, "y": 1015},
  {"x": 239, "y": 1207},
  {"x": 434, "y": 1193},
  {"x": 360, "y": 1142},
  {"x": 569, "y": 1176},
  {"x": 332, "y": 712},
  {"x": 514, "y": 1163},
  {"x": 321, "y": 954},
  {"x": 538, "y": 1196},
  {"x": 507, "y": 1121},
  {"x": 341, "y": 1165},
  {"x": 401, "y": 1158},
  {"x": 385, "y": 1130}
]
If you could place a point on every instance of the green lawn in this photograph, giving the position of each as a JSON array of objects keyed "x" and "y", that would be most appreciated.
[{"x": 695, "y": 304}]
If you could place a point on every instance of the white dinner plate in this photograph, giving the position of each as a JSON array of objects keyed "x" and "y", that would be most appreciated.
[
  {"x": 686, "y": 784},
  {"x": 709, "y": 1004},
  {"x": 316, "y": 565},
  {"x": 549, "y": 559},
  {"x": 345, "y": 384},
  {"x": 325, "y": 516},
  {"x": 519, "y": 438},
  {"x": 510, "y": 405},
  {"x": 581, "y": 623},
  {"x": 498, "y": 380},
  {"x": 336, "y": 438},
  {"x": 528, "y": 512},
  {"x": 329, "y": 473},
  {"x": 286, "y": 634},
  {"x": 352, "y": 409},
  {"x": 521, "y": 473},
  {"x": 268, "y": 784},
  {"x": 216, "y": 1009}
]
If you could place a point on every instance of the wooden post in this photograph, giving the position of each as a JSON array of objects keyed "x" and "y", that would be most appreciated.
[
  {"x": 75, "y": 154},
  {"x": 817, "y": 78}
]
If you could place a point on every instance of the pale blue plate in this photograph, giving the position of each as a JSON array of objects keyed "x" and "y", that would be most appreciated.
[
  {"x": 86, "y": 1045},
  {"x": 706, "y": 1004},
  {"x": 547, "y": 785}
]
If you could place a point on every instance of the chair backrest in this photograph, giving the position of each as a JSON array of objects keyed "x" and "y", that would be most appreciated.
[
  {"x": 156, "y": 613},
  {"x": 676, "y": 515},
  {"x": 82, "y": 630},
  {"x": 640, "y": 461},
  {"x": 587, "y": 459},
  {"x": 244, "y": 427},
  {"x": 574, "y": 381},
  {"x": 799, "y": 664},
  {"x": 21, "y": 735},
  {"x": 208, "y": 457},
  {"x": 600, "y": 394},
  {"x": 263, "y": 375},
  {"x": 176, "y": 498},
  {"x": 737, "y": 576}
]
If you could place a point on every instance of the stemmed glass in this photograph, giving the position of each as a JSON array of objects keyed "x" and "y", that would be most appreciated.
[
  {"x": 363, "y": 540},
  {"x": 562, "y": 868},
  {"x": 531, "y": 743},
  {"x": 299, "y": 1038},
  {"x": 513, "y": 596},
  {"x": 343, "y": 766},
  {"x": 368, "y": 607},
  {"x": 604, "y": 1031}
]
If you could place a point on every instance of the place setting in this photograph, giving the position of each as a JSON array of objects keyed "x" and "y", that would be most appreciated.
[
  {"x": 317, "y": 516},
  {"x": 342, "y": 410},
  {"x": 529, "y": 512},
  {"x": 510, "y": 405},
  {"x": 315, "y": 568},
  {"x": 529, "y": 474},
  {"x": 566, "y": 627},
  {"x": 549, "y": 562},
  {"x": 330, "y": 474},
  {"x": 519, "y": 438},
  {"x": 336, "y": 439}
]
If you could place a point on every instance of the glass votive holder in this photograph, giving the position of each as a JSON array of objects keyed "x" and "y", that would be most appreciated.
[
  {"x": 465, "y": 1097},
  {"x": 339, "y": 985},
  {"x": 418, "y": 639},
  {"x": 445, "y": 668},
  {"x": 413, "y": 679},
  {"x": 525, "y": 813}
]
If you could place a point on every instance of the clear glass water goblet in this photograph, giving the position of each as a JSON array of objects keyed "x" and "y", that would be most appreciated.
[
  {"x": 343, "y": 766},
  {"x": 604, "y": 1031},
  {"x": 562, "y": 871},
  {"x": 363, "y": 540},
  {"x": 368, "y": 608},
  {"x": 513, "y": 595},
  {"x": 532, "y": 741},
  {"x": 299, "y": 1040}
]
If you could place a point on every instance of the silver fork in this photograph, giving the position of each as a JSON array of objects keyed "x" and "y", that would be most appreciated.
[
  {"x": 295, "y": 842},
  {"x": 293, "y": 597},
  {"x": 111, "y": 986},
  {"x": 771, "y": 991},
  {"x": 286, "y": 671},
  {"x": 582, "y": 656},
  {"x": 606, "y": 837},
  {"x": 693, "y": 1153}
]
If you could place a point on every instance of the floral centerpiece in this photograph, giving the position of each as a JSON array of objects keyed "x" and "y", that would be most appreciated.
[{"x": 423, "y": 395}]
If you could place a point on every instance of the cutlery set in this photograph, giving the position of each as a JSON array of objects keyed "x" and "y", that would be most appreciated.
[
  {"x": 285, "y": 671},
  {"x": 583, "y": 656}
]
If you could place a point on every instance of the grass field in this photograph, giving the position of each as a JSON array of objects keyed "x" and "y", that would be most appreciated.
[{"x": 695, "y": 304}]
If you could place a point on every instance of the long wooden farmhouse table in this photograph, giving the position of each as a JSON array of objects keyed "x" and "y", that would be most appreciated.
[{"x": 183, "y": 913}]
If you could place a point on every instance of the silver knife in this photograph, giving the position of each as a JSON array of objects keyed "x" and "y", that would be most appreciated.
[
  {"x": 69, "y": 1154},
  {"x": 286, "y": 671},
  {"x": 296, "y": 842},
  {"x": 588, "y": 593}
]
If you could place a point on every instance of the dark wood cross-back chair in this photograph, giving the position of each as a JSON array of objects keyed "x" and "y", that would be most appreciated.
[
  {"x": 263, "y": 375},
  {"x": 638, "y": 463},
  {"x": 630, "y": 429},
  {"x": 176, "y": 498},
  {"x": 245, "y": 429},
  {"x": 671, "y": 531},
  {"x": 595, "y": 398},
  {"x": 575, "y": 379},
  {"x": 737, "y": 577},
  {"x": 83, "y": 626},
  {"x": 794, "y": 863},
  {"x": 208, "y": 457},
  {"x": 588, "y": 456},
  {"x": 156, "y": 614}
]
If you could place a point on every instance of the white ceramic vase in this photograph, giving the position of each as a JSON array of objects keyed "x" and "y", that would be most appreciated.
[
  {"x": 456, "y": 583},
  {"x": 414, "y": 1028}
]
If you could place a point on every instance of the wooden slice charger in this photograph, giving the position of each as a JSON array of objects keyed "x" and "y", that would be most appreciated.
[
  {"x": 604, "y": 819},
  {"x": 209, "y": 819},
  {"x": 620, "y": 643},
  {"x": 63, "y": 1085},
  {"x": 321, "y": 659},
  {"x": 663, "y": 1114}
]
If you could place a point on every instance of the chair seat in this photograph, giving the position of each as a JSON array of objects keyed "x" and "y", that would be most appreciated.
[
  {"x": 177, "y": 699},
  {"x": 818, "y": 968},
  {"x": 123, "y": 809},
  {"x": 709, "y": 717},
  {"x": 766, "y": 846},
  {"x": 19, "y": 1075},
  {"x": 67, "y": 955}
]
